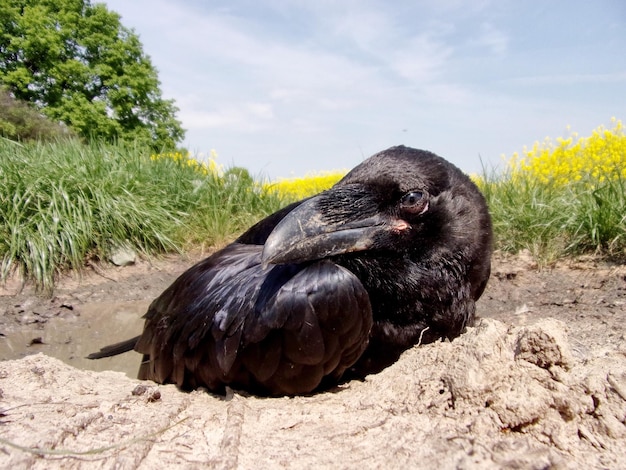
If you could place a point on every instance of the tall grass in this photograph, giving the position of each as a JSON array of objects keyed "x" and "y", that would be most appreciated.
[
  {"x": 225, "y": 205},
  {"x": 553, "y": 223},
  {"x": 62, "y": 203},
  {"x": 564, "y": 198}
]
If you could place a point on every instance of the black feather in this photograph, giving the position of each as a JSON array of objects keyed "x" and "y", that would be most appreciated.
[{"x": 115, "y": 349}]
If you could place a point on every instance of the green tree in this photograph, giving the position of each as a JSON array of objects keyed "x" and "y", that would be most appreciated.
[{"x": 76, "y": 63}]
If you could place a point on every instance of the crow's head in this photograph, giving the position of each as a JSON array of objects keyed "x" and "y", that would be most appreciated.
[{"x": 401, "y": 202}]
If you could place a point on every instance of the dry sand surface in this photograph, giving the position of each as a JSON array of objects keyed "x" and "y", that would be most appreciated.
[{"x": 539, "y": 382}]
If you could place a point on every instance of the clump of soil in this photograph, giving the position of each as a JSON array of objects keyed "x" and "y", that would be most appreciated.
[{"x": 539, "y": 382}]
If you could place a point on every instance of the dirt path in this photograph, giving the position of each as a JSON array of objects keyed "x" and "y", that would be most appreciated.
[{"x": 539, "y": 382}]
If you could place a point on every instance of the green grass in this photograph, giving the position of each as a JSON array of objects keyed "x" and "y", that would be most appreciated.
[
  {"x": 556, "y": 221},
  {"x": 64, "y": 203},
  {"x": 226, "y": 205},
  {"x": 564, "y": 197}
]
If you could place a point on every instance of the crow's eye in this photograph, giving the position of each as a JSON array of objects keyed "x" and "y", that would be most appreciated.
[
  {"x": 412, "y": 198},
  {"x": 414, "y": 202}
]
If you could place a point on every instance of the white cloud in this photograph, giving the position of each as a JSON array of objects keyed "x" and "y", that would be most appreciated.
[
  {"x": 493, "y": 38},
  {"x": 209, "y": 120},
  {"x": 367, "y": 29},
  {"x": 569, "y": 79},
  {"x": 243, "y": 117},
  {"x": 421, "y": 60}
]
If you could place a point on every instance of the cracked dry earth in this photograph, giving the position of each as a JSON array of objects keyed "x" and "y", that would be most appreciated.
[{"x": 539, "y": 382}]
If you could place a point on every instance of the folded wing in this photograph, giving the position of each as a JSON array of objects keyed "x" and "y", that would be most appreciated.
[{"x": 280, "y": 329}]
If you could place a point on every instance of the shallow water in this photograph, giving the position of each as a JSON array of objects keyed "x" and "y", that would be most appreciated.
[{"x": 72, "y": 337}]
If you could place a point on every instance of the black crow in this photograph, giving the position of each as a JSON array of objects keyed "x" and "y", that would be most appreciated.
[{"x": 333, "y": 287}]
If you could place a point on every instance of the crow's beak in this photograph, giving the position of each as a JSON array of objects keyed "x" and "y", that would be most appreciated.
[{"x": 314, "y": 230}]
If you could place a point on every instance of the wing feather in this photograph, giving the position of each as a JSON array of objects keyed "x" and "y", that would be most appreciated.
[{"x": 275, "y": 330}]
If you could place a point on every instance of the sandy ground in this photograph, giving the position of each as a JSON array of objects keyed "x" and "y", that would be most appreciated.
[{"x": 539, "y": 382}]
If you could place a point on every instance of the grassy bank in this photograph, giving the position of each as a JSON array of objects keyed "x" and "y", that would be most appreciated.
[
  {"x": 64, "y": 203},
  {"x": 562, "y": 198}
]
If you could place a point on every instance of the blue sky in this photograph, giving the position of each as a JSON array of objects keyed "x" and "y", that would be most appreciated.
[{"x": 288, "y": 87}]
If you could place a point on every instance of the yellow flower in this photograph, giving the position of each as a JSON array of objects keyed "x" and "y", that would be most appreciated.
[
  {"x": 196, "y": 163},
  {"x": 597, "y": 158},
  {"x": 299, "y": 188}
]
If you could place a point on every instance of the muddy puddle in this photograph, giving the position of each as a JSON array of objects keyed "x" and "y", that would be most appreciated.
[{"x": 79, "y": 331}]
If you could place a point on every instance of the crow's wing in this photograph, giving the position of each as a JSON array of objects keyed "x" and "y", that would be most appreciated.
[{"x": 273, "y": 330}]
